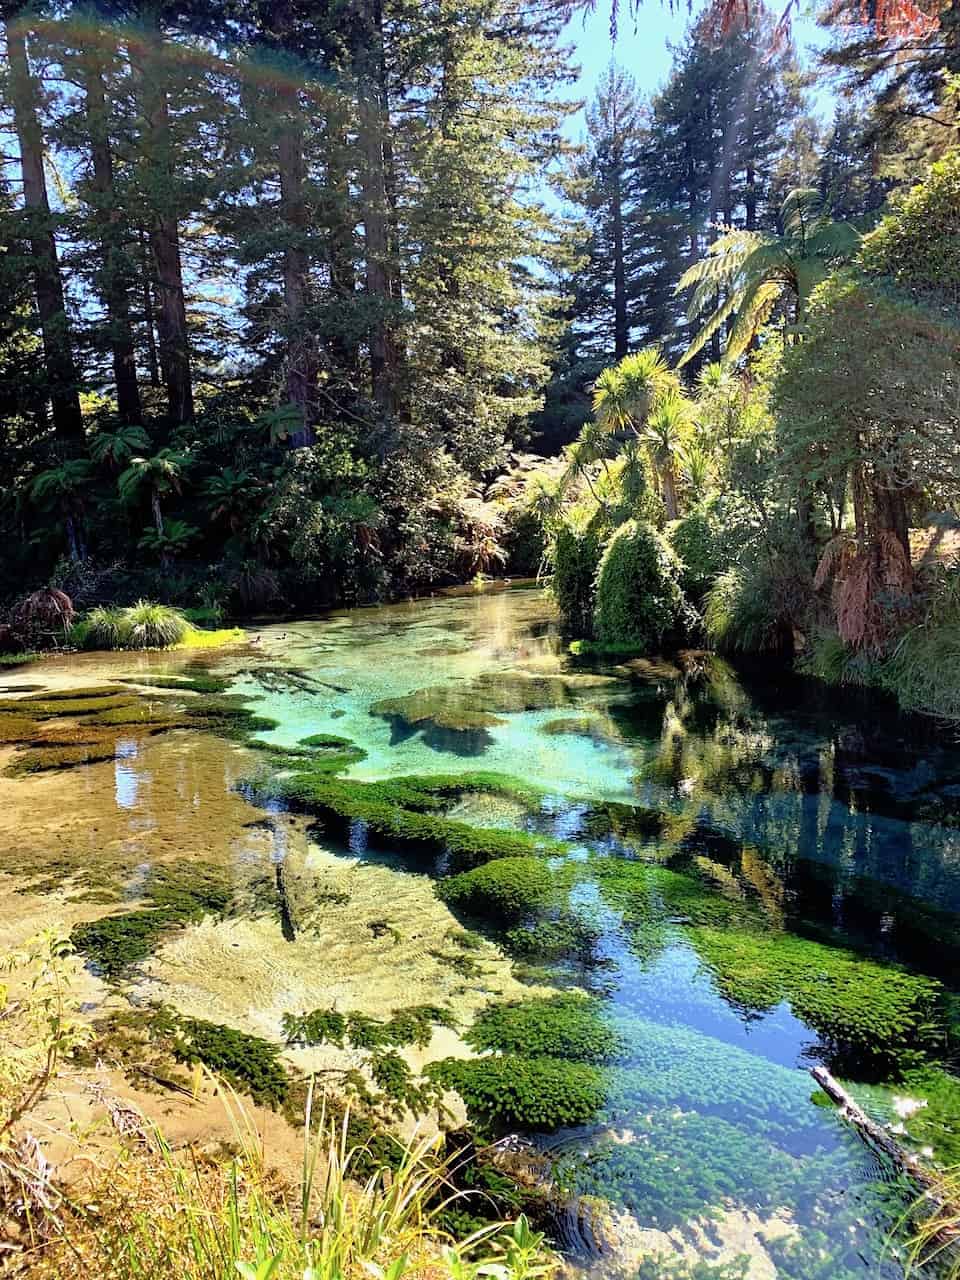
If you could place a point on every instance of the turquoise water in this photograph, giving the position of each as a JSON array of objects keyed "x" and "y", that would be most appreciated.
[{"x": 826, "y": 827}]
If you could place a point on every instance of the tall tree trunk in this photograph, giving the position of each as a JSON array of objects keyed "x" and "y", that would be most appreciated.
[
  {"x": 172, "y": 333},
  {"x": 113, "y": 270},
  {"x": 157, "y": 512},
  {"x": 750, "y": 198},
  {"x": 380, "y": 277},
  {"x": 340, "y": 237},
  {"x": 149, "y": 316},
  {"x": 668, "y": 480},
  {"x": 301, "y": 348},
  {"x": 48, "y": 284},
  {"x": 621, "y": 331}
]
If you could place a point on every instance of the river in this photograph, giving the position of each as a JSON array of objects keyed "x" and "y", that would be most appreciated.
[{"x": 743, "y": 874}]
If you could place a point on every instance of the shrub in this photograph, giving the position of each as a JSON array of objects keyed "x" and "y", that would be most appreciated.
[
  {"x": 638, "y": 597},
  {"x": 574, "y": 557},
  {"x": 154, "y": 626},
  {"x": 919, "y": 244},
  {"x": 922, "y": 671},
  {"x": 753, "y": 608},
  {"x": 43, "y": 614},
  {"x": 698, "y": 539}
]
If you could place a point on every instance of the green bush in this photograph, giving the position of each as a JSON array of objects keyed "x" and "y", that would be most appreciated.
[
  {"x": 923, "y": 671},
  {"x": 699, "y": 541},
  {"x": 574, "y": 558},
  {"x": 638, "y": 597},
  {"x": 918, "y": 245}
]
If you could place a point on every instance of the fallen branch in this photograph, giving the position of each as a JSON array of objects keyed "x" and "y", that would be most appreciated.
[{"x": 875, "y": 1135}]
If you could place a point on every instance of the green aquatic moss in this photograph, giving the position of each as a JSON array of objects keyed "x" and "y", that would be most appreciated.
[
  {"x": 507, "y": 889},
  {"x": 44, "y": 759},
  {"x": 179, "y": 896},
  {"x": 247, "y": 1062},
  {"x": 402, "y": 813},
  {"x": 564, "y": 1026},
  {"x": 79, "y": 704},
  {"x": 198, "y": 682},
  {"x": 575, "y": 938},
  {"x": 533, "y": 1094},
  {"x": 412, "y": 1025},
  {"x": 678, "y": 1167},
  {"x": 883, "y": 1014},
  {"x": 933, "y": 1123},
  {"x": 16, "y": 729}
]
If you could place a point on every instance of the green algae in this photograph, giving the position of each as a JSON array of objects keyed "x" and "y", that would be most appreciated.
[
  {"x": 882, "y": 1013},
  {"x": 563, "y": 1026},
  {"x": 178, "y": 896},
  {"x": 533, "y": 1094}
]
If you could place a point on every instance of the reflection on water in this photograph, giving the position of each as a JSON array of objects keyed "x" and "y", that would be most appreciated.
[
  {"x": 822, "y": 817},
  {"x": 788, "y": 846}
]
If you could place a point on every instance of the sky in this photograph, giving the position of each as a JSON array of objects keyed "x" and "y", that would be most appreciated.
[{"x": 642, "y": 48}]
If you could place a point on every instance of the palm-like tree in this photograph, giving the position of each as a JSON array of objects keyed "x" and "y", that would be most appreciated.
[
  {"x": 624, "y": 396},
  {"x": 115, "y": 449},
  {"x": 229, "y": 494},
  {"x": 161, "y": 474},
  {"x": 753, "y": 271},
  {"x": 61, "y": 489},
  {"x": 666, "y": 434}
]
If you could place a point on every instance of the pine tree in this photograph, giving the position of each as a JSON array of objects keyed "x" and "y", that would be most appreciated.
[{"x": 38, "y": 227}]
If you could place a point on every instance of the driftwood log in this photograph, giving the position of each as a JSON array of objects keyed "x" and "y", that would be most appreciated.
[{"x": 875, "y": 1135}]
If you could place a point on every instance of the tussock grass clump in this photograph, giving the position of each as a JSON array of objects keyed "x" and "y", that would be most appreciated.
[{"x": 154, "y": 626}]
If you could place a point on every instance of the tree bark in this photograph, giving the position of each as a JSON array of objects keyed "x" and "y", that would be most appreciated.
[
  {"x": 301, "y": 349},
  {"x": 380, "y": 278},
  {"x": 621, "y": 331},
  {"x": 173, "y": 339},
  {"x": 113, "y": 272},
  {"x": 149, "y": 321},
  {"x": 48, "y": 282}
]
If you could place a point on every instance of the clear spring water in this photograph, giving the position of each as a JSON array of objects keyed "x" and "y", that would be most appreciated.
[{"x": 835, "y": 817}]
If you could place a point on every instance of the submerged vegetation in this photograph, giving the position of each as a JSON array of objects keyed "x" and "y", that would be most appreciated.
[{"x": 310, "y": 305}]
